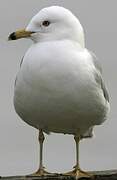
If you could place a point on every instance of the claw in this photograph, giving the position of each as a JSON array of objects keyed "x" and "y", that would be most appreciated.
[
  {"x": 41, "y": 172},
  {"x": 78, "y": 173}
]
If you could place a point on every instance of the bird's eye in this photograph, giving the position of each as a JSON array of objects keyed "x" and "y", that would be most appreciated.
[{"x": 46, "y": 23}]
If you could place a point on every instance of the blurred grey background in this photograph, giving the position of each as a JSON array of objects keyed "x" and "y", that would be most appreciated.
[{"x": 18, "y": 141}]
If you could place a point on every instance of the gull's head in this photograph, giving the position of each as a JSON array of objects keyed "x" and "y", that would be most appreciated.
[{"x": 50, "y": 24}]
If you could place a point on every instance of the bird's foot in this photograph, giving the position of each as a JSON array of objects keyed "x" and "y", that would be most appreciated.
[
  {"x": 40, "y": 172},
  {"x": 78, "y": 173}
]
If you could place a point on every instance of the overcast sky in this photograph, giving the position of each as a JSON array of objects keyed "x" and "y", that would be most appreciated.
[{"x": 18, "y": 141}]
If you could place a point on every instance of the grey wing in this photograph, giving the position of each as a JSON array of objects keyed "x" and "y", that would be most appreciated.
[
  {"x": 21, "y": 61},
  {"x": 99, "y": 80},
  {"x": 20, "y": 67},
  {"x": 105, "y": 92},
  {"x": 98, "y": 76}
]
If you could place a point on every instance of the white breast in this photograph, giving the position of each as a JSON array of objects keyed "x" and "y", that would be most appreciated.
[{"x": 56, "y": 89}]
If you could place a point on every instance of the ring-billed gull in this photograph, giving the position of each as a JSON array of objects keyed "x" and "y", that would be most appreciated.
[{"x": 59, "y": 87}]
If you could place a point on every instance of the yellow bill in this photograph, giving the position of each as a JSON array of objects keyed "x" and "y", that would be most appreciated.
[{"x": 19, "y": 34}]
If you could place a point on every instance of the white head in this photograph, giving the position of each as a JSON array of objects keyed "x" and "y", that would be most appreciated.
[{"x": 53, "y": 23}]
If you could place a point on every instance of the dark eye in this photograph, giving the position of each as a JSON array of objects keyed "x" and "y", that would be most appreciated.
[{"x": 46, "y": 23}]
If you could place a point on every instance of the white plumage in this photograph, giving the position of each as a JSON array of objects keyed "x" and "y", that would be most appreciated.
[
  {"x": 56, "y": 88},
  {"x": 59, "y": 87}
]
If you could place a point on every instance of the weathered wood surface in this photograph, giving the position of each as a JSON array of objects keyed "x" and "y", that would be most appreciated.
[{"x": 99, "y": 175}]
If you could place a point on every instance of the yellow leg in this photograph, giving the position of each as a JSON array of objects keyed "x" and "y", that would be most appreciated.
[
  {"x": 77, "y": 172},
  {"x": 41, "y": 171}
]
